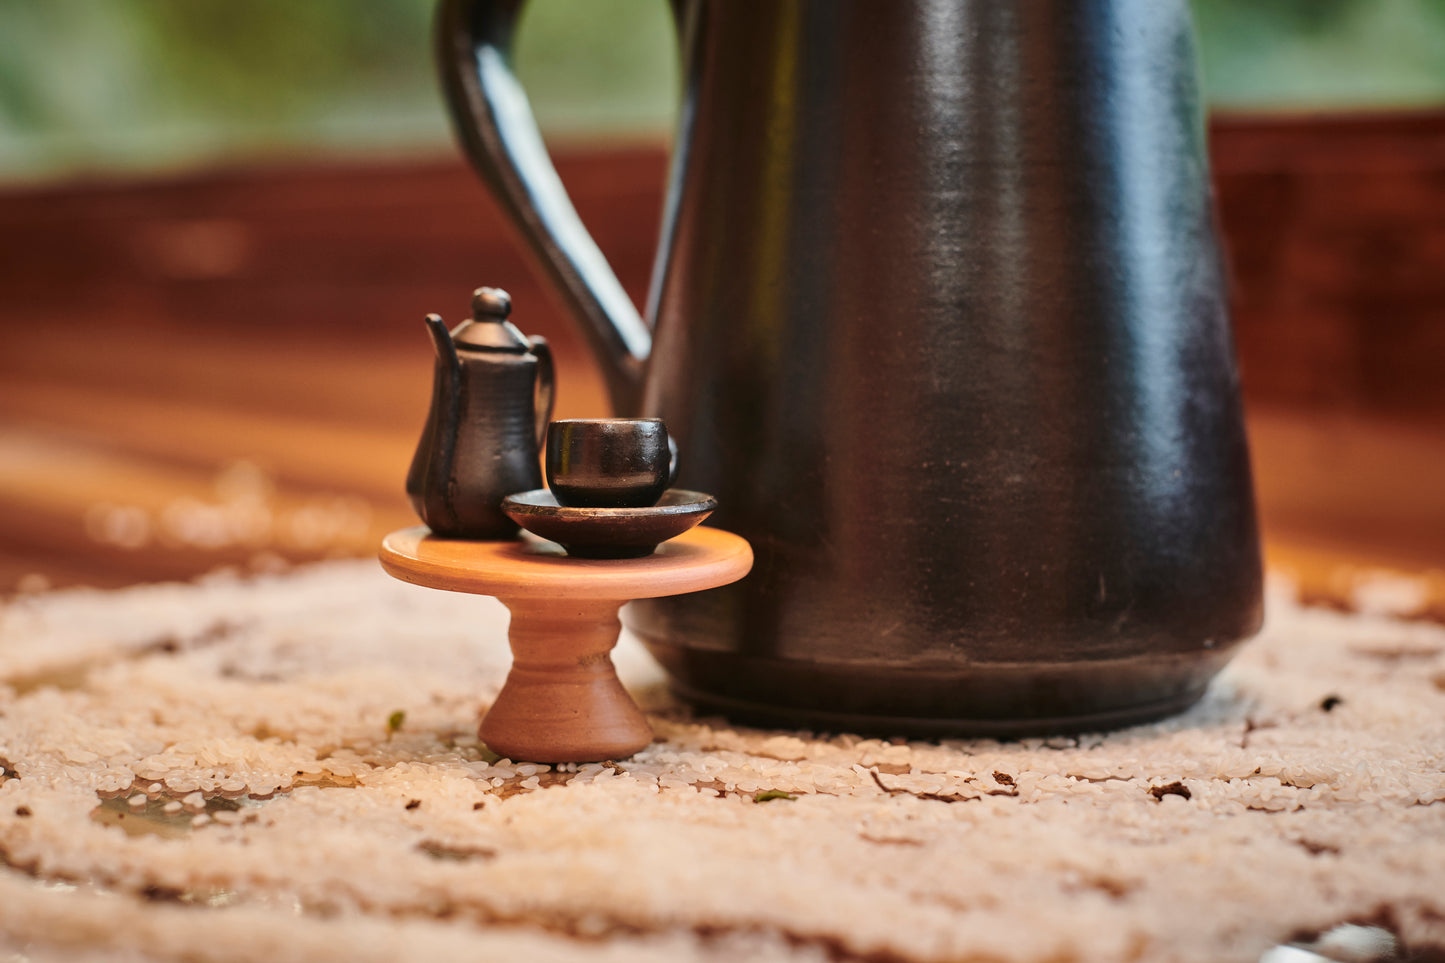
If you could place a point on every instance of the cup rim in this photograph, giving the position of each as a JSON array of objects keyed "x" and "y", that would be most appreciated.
[{"x": 605, "y": 421}]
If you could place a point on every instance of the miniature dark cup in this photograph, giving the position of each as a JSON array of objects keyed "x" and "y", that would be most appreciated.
[{"x": 608, "y": 462}]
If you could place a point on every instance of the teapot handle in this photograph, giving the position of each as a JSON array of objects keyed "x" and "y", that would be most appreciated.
[
  {"x": 546, "y": 387},
  {"x": 494, "y": 123}
]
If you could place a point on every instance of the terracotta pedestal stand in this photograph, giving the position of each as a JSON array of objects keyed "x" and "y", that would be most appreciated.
[{"x": 562, "y": 701}]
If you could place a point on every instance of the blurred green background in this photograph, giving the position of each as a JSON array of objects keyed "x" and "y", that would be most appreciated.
[{"x": 114, "y": 86}]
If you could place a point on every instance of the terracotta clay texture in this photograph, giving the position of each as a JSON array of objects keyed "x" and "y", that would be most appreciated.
[{"x": 562, "y": 701}]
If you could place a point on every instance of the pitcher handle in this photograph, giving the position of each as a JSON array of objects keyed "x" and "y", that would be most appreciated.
[{"x": 494, "y": 123}]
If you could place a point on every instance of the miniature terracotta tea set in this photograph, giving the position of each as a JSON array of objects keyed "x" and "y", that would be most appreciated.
[{"x": 607, "y": 530}]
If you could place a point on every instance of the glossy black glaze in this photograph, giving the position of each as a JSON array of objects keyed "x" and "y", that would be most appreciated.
[
  {"x": 491, "y": 400},
  {"x": 609, "y": 532},
  {"x": 608, "y": 462},
  {"x": 939, "y": 316}
]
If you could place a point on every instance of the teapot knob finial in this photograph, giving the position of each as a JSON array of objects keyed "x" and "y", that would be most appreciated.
[{"x": 490, "y": 303}]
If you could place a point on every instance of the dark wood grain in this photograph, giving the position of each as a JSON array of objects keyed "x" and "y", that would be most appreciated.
[{"x": 1336, "y": 237}]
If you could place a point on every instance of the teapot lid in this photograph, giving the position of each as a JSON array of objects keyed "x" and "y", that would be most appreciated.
[{"x": 489, "y": 329}]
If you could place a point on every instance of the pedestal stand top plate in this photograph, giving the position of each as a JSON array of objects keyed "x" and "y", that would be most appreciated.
[{"x": 530, "y": 567}]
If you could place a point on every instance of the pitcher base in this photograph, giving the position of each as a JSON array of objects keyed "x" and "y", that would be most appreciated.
[{"x": 987, "y": 700}]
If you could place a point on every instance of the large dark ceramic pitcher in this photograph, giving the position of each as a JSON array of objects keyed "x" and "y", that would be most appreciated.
[{"x": 938, "y": 314}]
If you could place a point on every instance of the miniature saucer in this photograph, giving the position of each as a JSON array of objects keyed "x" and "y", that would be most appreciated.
[{"x": 608, "y": 532}]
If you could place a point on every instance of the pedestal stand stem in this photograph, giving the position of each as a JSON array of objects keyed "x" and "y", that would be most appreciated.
[{"x": 562, "y": 701}]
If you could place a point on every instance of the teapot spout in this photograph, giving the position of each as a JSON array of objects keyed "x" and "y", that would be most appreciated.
[
  {"x": 432, "y": 464},
  {"x": 446, "y": 393},
  {"x": 451, "y": 365}
]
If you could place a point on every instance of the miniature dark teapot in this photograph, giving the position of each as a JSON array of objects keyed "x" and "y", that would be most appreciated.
[{"x": 491, "y": 402}]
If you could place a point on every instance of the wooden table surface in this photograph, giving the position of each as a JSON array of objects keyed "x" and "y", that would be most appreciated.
[
  {"x": 163, "y": 457},
  {"x": 231, "y": 370}
]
